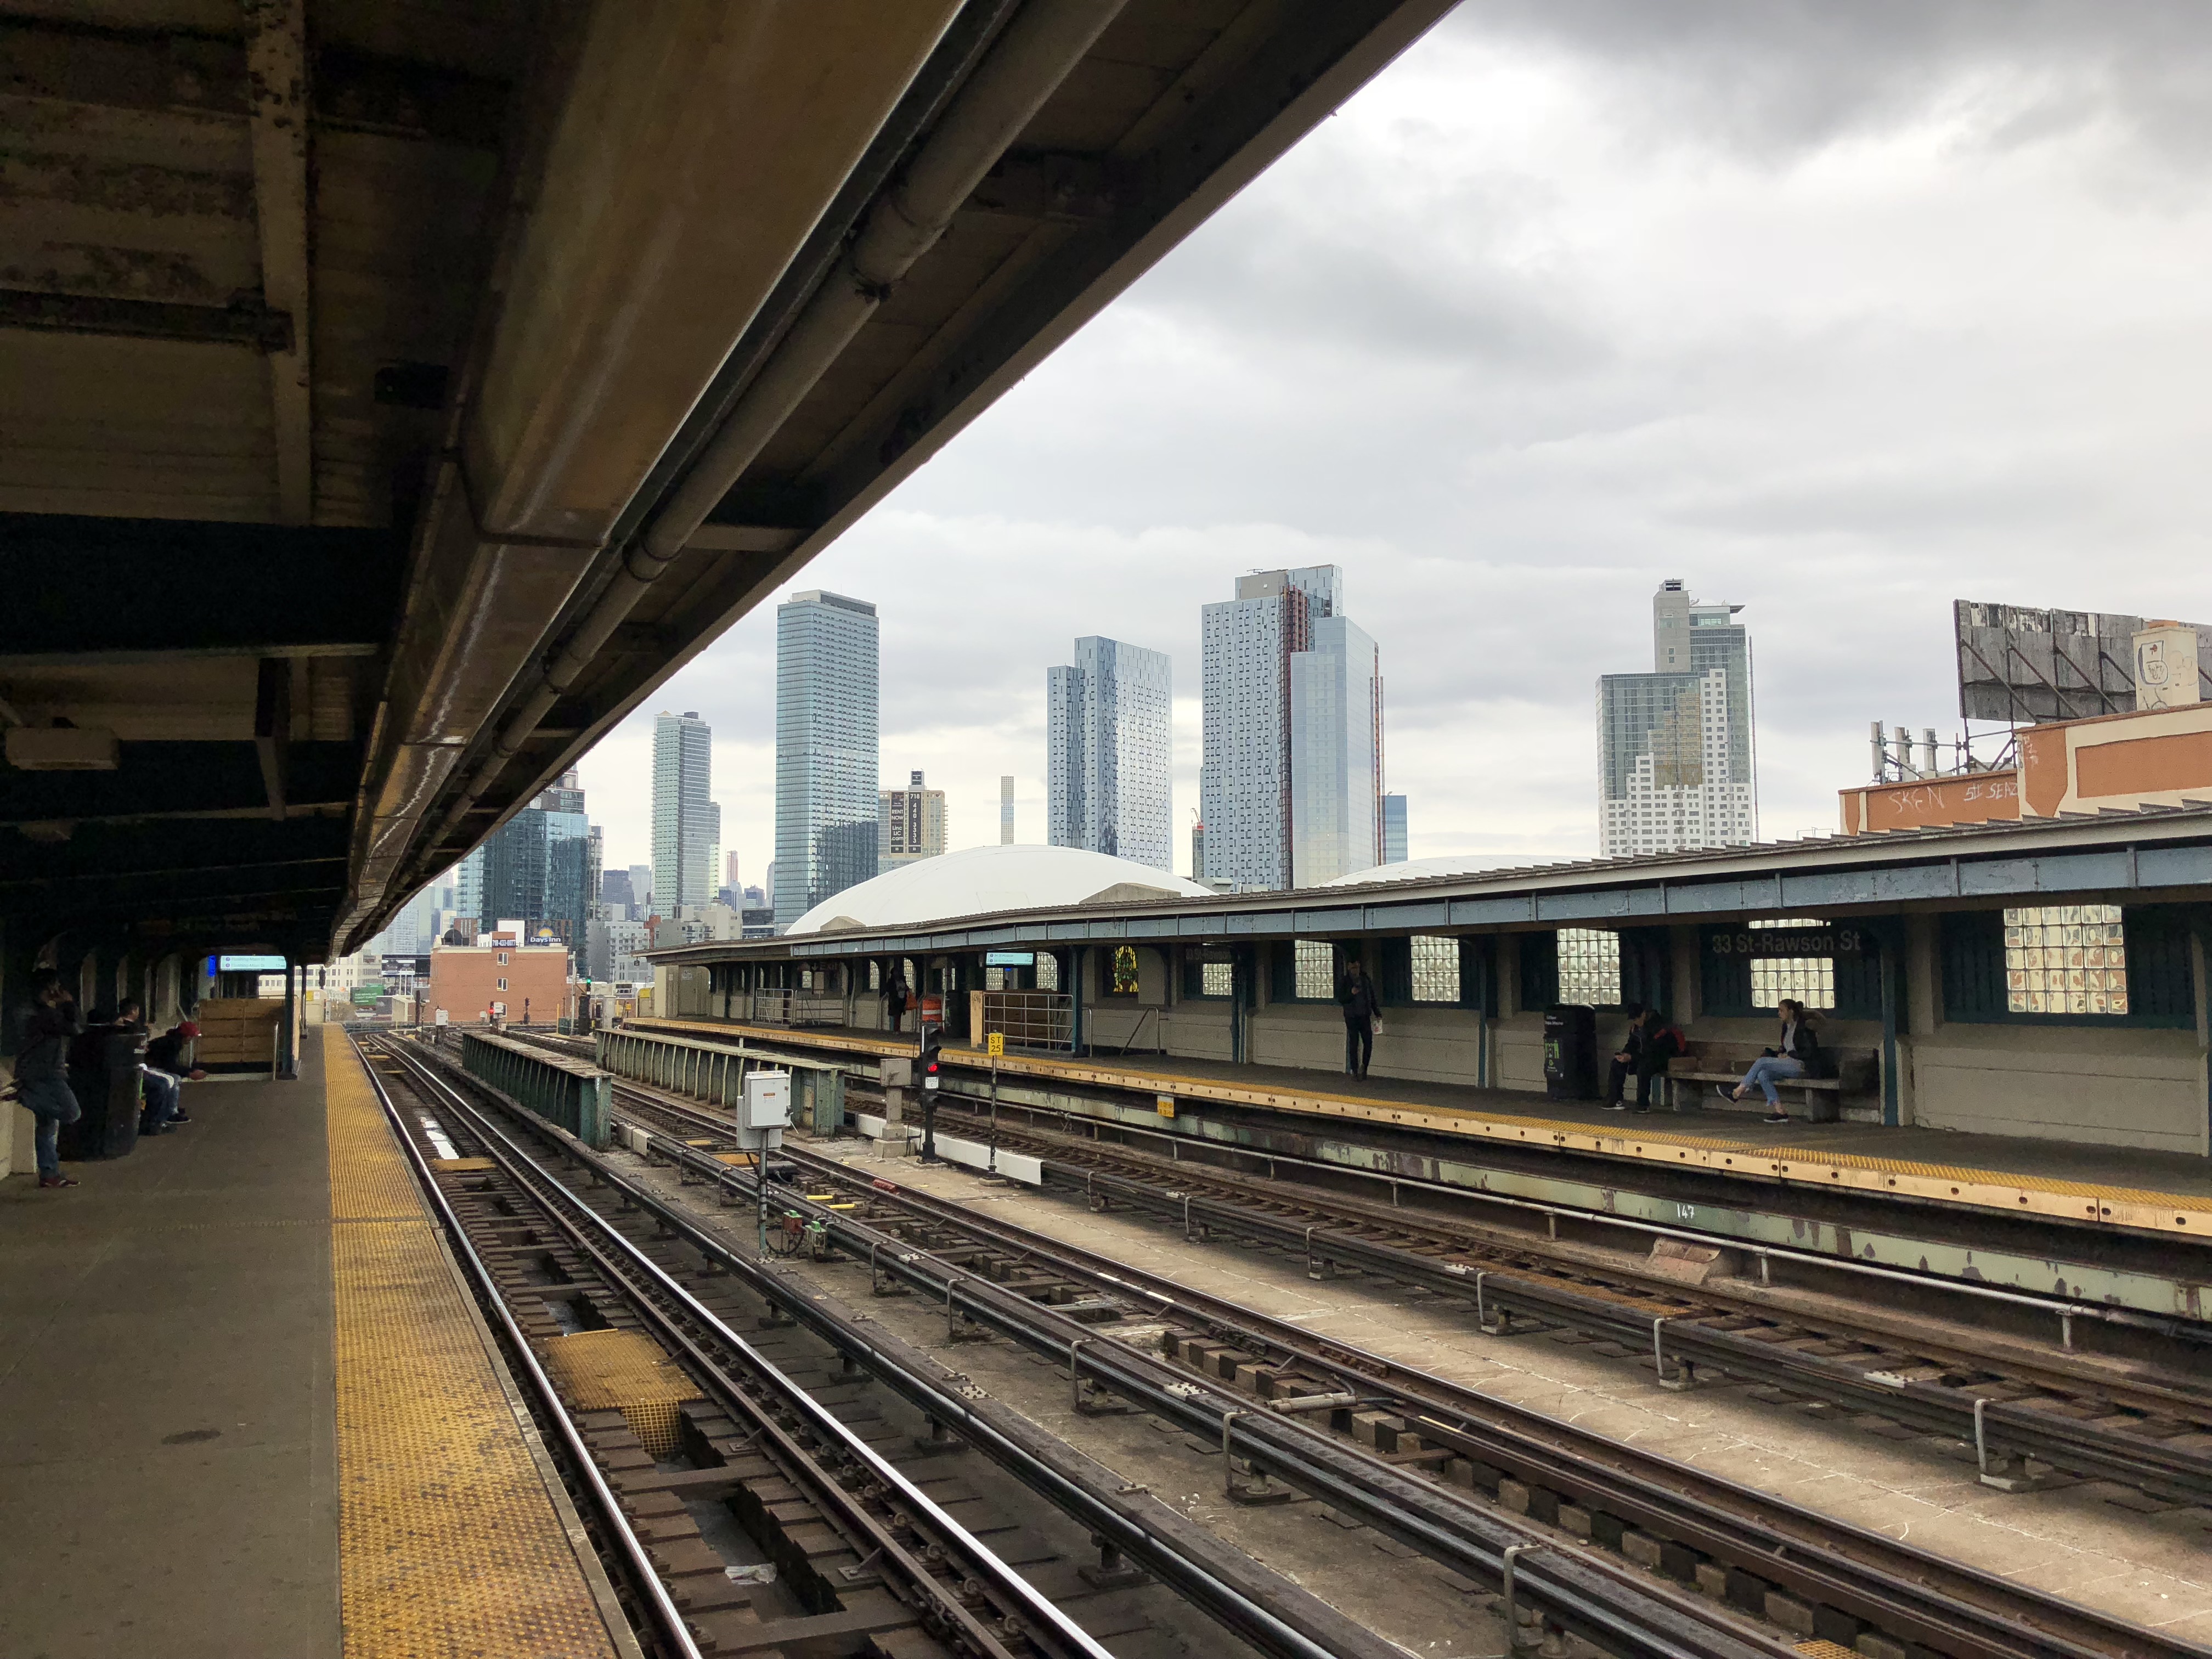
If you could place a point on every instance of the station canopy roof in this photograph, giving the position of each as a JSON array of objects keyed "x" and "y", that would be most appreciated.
[{"x": 985, "y": 880}]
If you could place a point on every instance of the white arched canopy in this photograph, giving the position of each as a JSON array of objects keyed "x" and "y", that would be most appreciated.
[{"x": 983, "y": 880}]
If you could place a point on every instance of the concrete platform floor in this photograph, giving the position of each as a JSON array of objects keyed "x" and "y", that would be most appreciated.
[
  {"x": 167, "y": 1477},
  {"x": 2084, "y": 1542}
]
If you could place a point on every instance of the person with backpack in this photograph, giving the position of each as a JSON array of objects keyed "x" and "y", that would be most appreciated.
[
  {"x": 1644, "y": 1052},
  {"x": 1362, "y": 1009},
  {"x": 50, "y": 1025},
  {"x": 895, "y": 997}
]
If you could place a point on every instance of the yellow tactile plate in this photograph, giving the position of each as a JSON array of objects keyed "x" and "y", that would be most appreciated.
[
  {"x": 622, "y": 1370},
  {"x": 448, "y": 1543},
  {"x": 1995, "y": 1189}
]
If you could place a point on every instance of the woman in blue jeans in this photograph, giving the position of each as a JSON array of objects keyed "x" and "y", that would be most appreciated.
[{"x": 1793, "y": 1058}]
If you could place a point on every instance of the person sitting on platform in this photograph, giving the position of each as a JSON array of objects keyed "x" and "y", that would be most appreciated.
[
  {"x": 164, "y": 1075},
  {"x": 1794, "y": 1058},
  {"x": 50, "y": 1025},
  {"x": 1650, "y": 1045}
]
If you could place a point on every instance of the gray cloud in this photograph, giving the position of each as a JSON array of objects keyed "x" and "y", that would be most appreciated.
[{"x": 1837, "y": 309}]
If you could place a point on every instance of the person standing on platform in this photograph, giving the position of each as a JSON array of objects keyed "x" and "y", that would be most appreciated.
[
  {"x": 895, "y": 996},
  {"x": 42, "y": 1049},
  {"x": 1355, "y": 992}
]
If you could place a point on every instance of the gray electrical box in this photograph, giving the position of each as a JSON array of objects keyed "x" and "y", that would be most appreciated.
[
  {"x": 898, "y": 1073},
  {"x": 765, "y": 1111}
]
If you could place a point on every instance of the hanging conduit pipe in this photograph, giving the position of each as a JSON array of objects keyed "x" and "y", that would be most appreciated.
[{"x": 1043, "y": 43}]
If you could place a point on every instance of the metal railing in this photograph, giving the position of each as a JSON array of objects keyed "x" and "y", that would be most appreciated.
[{"x": 1028, "y": 1019}]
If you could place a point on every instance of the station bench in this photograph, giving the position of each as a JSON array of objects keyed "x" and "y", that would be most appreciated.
[{"x": 1692, "y": 1075}]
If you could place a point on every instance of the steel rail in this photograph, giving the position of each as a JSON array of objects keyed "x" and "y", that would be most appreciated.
[
  {"x": 2059, "y": 1308},
  {"x": 1246, "y": 1598},
  {"x": 1065, "y": 1636},
  {"x": 615, "y": 1522},
  {"x": 1614, "y": 1607},
  {"x": 1895, "y": 1589},
  {"x": 2177, "y": 1472}
]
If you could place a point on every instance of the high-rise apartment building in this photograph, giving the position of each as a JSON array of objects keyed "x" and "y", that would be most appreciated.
[
  {"x": 909, "y": 823},
  {"x": 687, "y": 825},
  {"x": 1291, "y": 774},
  {"x": 1393, "y": 829},
  {"x": 826, "y": 712},
  {"x": 1107, "y": 757},
  {"x": 535, "y": 868},
  {"x": 1676, "y": 757}
]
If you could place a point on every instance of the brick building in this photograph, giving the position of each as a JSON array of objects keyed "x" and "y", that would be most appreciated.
[{"x": 469, "y": 983}]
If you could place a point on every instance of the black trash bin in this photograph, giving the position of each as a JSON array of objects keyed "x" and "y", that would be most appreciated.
[
  {"x": 103, "y": 1076},
  {"x": 1569, "y": 1052}
]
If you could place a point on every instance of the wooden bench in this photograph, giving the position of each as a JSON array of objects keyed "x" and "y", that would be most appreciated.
[{"x": 1691, "y": 1077}]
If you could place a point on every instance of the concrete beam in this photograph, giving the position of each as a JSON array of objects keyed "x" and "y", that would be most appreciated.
[{"x": 279, "y": 106}]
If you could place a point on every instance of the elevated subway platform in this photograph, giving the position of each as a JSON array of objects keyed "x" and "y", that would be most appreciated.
[
  {"x": 249, "y": 1409},
  {"x": 2054, "y": 1180}
]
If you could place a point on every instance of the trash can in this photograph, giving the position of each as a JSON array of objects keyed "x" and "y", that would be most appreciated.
[{"x": 1569, "y": 1052}]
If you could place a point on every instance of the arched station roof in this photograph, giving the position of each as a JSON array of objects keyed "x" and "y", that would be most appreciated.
[{"x": 980, "y": 880}]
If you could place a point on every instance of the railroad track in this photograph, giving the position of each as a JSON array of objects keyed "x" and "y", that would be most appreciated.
[
  {"x": 1588, "y": 1600},
  {"x": 850, "y": 1551},
  {"x": 1815, "y": 1579}
]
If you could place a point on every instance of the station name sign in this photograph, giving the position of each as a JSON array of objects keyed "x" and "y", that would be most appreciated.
[{"x": 1758, "y": 942}]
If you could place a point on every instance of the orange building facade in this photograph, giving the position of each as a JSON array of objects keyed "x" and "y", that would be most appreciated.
[
  {"x": 473, "y": 983},
  {"x": 2111, "y": 763}
]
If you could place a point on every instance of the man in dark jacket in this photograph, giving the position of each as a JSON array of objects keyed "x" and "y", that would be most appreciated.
[
  {"x": 164, "y": 1079},
  {"x": 895, "y": 997},
  {"x": 42, "y": 1051},
  {"x": 1355, "y": 992},
  {"x": 1643, "y": 1053}
]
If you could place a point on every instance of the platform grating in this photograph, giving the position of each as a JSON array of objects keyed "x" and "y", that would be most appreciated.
[
  {"x": 625, "y": 1371},
  {"x": 449, "y": 1546}
]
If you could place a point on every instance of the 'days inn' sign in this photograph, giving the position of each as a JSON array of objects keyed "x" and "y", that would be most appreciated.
[{"x": 1809, "y": 939}]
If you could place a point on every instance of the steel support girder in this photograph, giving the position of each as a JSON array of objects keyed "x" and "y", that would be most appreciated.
[
  {"x": 154, "y": 780},
  {"x": 693, "y": 152},
  {"x": 195, "y": 589}
]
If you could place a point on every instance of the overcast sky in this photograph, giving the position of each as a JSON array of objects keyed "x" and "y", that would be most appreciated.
[{"x": 1837, "y": 309}]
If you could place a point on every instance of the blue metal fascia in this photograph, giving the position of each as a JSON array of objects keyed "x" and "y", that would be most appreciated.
[
  {"x": 1647, "y": 901},
  {"x": 1997, "y": 876},
  {"x": 2070, "y": 872},
  {"x": 1330, "y": 921},
  {"x": 1384, "y": 918},
  {"x": 1110, "y": 928},
  {"x": 1818, "y": 888},
  {"x": 1586, "y": 905},
  {"x": 1197, "y": 926},
  {"x": 1249, "y": 923},
  {"x": 1074, "y": 931},
  {"x": 1704, "y": 898},
  {"x": 1479, "y": 912},
  {"x": 1918, "y": 881},
  {"x": 1152, "y": 926},
  {"x": 2174, "y": 867}
]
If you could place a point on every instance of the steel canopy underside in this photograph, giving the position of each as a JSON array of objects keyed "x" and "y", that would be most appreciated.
[{"x": 338, "y": 383}]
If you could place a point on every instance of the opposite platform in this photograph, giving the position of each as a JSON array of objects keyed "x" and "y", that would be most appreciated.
[{"x": 2159, "y": 1191}]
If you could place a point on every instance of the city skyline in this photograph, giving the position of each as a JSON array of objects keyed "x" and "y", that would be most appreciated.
[{"x": 1498, "y": 375}]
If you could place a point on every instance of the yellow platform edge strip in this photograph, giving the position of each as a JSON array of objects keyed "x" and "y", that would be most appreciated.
[
  {"x": 1994, "y": 1190},
  {"x": 449, "y": 1542}
]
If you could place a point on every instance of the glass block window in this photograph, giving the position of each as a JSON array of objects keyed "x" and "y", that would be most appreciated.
[
  {"x": 875, "y": 975},
  {"x": 1215, "y": 979},
  {"x": 1589, "y": 966},
  {"x": 994, "y": 979},
  {"x": 1790, "y": 921},
  {"x": 2065, "y": 959},
  {"x": 1122, "y": 972},
  {"x": 1808, "y": 980},
  {"x": 1048, "y": 971},
  {"x": 1315, "y": 965},
  {"x": 1436, "y": 969}
]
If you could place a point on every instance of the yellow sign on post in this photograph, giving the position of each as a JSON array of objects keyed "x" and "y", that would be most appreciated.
[
  {"x": 998, "y": 1044},
  {"x": 1165, "y": 1104}
]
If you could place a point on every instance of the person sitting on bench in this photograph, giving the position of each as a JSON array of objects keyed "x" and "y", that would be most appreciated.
[{"x": 1794, "y": 1058}]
